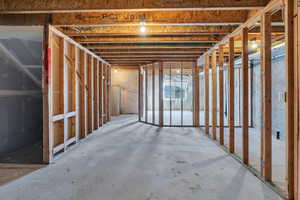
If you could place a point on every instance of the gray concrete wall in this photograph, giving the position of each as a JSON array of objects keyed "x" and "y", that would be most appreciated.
[
  {"x": 20, "y": 90},
  {"x": 278, "y": 89}
]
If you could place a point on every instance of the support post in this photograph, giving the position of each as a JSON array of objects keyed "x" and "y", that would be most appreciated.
[
  {"x": 221, "y": 94},
  {"x": 140, "y": 95},
  {"x": 108, "y": 92},
  {"x": 290, "y": 27},
  {"x": 245, "y": 110},
  {"x": 266, "y": 97},
  {"x": 161, "y": 100},
  {"x": 196, "y": 94},
  {"x": 104, "y": 93},
  {"x": 231, "y": 94},
  {"x": 214, "y": 95},
  {"x": 47, "y": 113},
  {"x": 146, "y": 93},
  {"x": 153, "y": 93},
  {"x": 206, "y": 74},
  {"x": 101, "y": 94}
]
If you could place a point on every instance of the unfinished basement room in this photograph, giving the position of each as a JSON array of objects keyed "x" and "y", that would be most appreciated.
[{"x": 149, "y": 100}]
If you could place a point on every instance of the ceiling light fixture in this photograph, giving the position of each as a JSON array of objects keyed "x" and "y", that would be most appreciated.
[
  {"x": 254, "y": 45},
  {"x": 143, "y": 26},
  {"x": 143, "y": 29}
]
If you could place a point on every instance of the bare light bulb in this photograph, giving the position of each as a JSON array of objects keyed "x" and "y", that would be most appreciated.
[
  {"x": 254, "y": 45},
  {"x": 115, "y": 70},
  {"x": 143, "y": 29}
]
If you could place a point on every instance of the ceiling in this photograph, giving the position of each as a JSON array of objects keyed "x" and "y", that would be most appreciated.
[{"x": 174, "y": 30}]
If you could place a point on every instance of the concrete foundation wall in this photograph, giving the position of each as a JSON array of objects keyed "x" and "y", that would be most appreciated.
[
  {"x": 278, "y": 89},
  {"x": 21, "y": 113}
]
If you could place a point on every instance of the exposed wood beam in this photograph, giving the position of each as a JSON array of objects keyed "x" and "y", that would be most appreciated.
[
  {"x": 146, "y": 39},
  {"x": 117, "y": 54},
  {"x": 149, "y": 59},
  {"x": 133, "y": 18},
  {"x": 148, "y": 50},
  {"x": 149, "y": 46},
  {"x": 125, "y": 67},
  {"x": 153, "y": 31},
  {"x": 152, "y": 56},
  {"x": 48, "y": 6}
]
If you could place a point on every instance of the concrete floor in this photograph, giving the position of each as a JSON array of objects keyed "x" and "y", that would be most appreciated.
[
  {"x": 127, "y": 160},
  {"x": 278, "y": 152}
]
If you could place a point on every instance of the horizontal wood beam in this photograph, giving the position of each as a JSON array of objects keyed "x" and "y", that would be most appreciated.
[
  {"x": 149, "y": 50},
  {"x": 150, "y": 46},
  {"x": 141, "y": 39},
  {"x": 151, "y": 56},
  {"x": 149, "y": 53},
  {"x": 171, "y": 58},
  {"x": 152, "y": 31},
  {"x": 134, "y": 18},
  {"x": 46, "y": 6}
]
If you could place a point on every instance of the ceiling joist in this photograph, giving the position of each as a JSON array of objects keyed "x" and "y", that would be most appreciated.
[
  {"x": 48, "y": 6},
  {"x": 147, "y": 39},
  {"x": 153, "y": 31}
]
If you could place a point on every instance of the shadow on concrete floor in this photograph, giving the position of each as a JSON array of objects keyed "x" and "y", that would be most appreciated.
[{"x": 21, "y": 162}]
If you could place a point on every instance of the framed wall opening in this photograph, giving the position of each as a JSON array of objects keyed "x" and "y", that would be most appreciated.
[{"x": 176, "y": 89}]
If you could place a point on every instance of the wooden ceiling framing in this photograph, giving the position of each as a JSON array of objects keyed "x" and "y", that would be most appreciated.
[{"x": 175, "y": 30}]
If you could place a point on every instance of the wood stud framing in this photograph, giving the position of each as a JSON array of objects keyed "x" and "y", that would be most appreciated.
[
  {"x": 196, "y": 95},
  {"x": 221, "y": 95},
  {"x": 73, "y": 88},
  {"x": 214, "y": 95},
  {"x": 245, "y": 96},
  {"x": 231, "y": 95},
  {"x": 206, "y": 109},
  {"x": 77, "y": 83},
  {"x": 290, "y": 64},
  {"x": 161, "y": 100},
  {"x": 292, "y": 25},
  {"x": 266, "y": 97}
]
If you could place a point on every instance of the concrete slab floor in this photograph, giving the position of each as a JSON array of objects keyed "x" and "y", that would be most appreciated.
[{"x": 127, "y": 160}]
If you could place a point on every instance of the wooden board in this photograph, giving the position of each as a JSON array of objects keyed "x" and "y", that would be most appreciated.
[
  {"x": 221, "y": 95},
  {"x": 214, "y": 95},
  {"x": 267, "y": 97},
  {"x": 196, "y": 102},
  {"x": 231, "y": 95},
  {"x": 161, "y": 100},
  {"x": 206, "y": 109},
  {"x": 245, "y": 96},
  {"x": 101, "y": 94}
]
